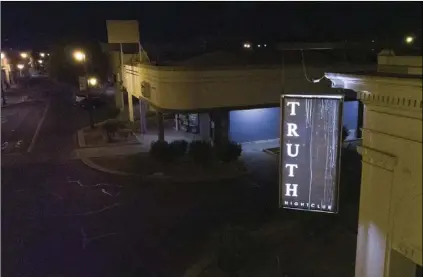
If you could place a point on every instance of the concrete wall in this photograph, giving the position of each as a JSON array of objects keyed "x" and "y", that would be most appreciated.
[
  {"x": 411, "y": 65},
  {"x": 389, "y": 241}
]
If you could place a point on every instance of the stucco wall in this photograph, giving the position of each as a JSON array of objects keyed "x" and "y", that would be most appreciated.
[
  {"x": 181, "y": 88},
  {"x": 391, "y": 192}
]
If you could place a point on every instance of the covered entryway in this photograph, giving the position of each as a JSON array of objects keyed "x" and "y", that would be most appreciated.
[
  {"x": 254, "y": 124},
  {"x": 263, "y": 124}
]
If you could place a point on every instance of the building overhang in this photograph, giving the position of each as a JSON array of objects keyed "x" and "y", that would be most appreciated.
[
  {"x": 403, "y": 93},
  {"x": 186, "y": 89}
]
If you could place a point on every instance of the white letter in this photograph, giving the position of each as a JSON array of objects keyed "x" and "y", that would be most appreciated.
[
  {"x": 289, "y": 149},
  {"x": 289, "y": 190},
  {"x": 292, "y": 128},
  {"x": 293, "y": 107},
  {"x": 291, "y": 169}
]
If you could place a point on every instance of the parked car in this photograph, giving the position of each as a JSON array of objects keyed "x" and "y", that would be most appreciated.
[
  {"x": 79, "y": 98},
  {"x": 94, "y": 101}
]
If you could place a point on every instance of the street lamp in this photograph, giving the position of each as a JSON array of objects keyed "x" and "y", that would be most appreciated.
[
  {"x": 92, "y": 81},
  {"x": 2, "y": 55},
  {"x": 40, "y": 61},
  {"x": 24, "y": 55},
  {"x": 42, "y": 55},
  {"x": 79, "y": 56},
  {"x": 20, "y": 67},
  {"x": 409, "y": 39}
]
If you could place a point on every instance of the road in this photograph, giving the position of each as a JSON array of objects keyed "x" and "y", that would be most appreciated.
[{"x": 61, "y": 218}]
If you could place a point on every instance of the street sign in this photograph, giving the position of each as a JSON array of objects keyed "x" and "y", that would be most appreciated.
[
  {"x": 83, "y": 84},
  {"x": 311, "y": 140}
]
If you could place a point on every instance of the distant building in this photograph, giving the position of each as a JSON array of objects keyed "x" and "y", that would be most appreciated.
[{"x": 6, "y": 71}]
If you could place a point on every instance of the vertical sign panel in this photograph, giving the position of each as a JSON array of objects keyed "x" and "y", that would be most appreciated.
[{"x": 311, "y": 128}]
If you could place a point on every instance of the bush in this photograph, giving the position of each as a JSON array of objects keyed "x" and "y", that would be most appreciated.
[
  {"x": 133, "y": 126},
  {"x": 111, "y": 127},
  {"x": 160, "y": 151},
  {"x": 228, "y": 151},
  {"x": 200, "y": 151},
  {"x": 113, "y": 112},
  {"x": 178, "y": 148}
]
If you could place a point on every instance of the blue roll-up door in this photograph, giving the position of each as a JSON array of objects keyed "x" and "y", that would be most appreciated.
[{"x": 254, "y": 124}]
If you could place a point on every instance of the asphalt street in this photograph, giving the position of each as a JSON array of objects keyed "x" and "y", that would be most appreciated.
[{"x": 61, "y": 218}]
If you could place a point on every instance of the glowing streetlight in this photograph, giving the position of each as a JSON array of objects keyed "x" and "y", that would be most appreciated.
[
  {"x": 409, "y": 39},
  {"x": 20, "y": 67},
  {"x": 24, "y": 55},
  {"x": 92, "y": 81},
  {"x": 79, "y": 56},
  {"x": 247, "y": 45},
  {"x": 42, "y": 55},
  {"x": 2, "y": 55},
  {"x": 40, "y": 61}
]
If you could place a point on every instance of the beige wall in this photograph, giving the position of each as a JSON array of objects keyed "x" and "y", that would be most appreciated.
[
  {"x": 390, "y": 218},
  {"x": 411, "y": 65},
  {"x": 179, "y": 88}
]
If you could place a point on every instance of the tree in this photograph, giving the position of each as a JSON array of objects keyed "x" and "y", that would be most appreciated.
[{"x": 64, "y": 69}]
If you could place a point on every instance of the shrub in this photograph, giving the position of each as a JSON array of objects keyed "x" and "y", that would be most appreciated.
[
  {"x": 228, "y": 151},
  {"x": 133, "y": 126},
  {"x": 111, "y": 127},
  {"x": 113, "y": 112},
  {"x": 200, "y": 151},
  {"x": 178, "y": 148},
  {"x": 160, "y": 151}
]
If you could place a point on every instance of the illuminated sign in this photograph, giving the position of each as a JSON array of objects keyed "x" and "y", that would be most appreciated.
[{"x": 311, "y": 134}]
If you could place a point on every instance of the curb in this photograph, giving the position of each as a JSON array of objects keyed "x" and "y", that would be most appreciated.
[
  {"x": 95, "y": 166},
  {"x": 270, "y": 152},
  {"x": 81, "y": 138}
]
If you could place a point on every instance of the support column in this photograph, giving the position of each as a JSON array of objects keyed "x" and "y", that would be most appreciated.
[
  {"x": 130, "y": 107},
  {"x": 177, "y": 122},
  {"x": 204, "y": 120},
  {"x": 119, "y": 93},
  {"x": 221, "y": 126},
  {"x": 160, "y": 126},
  {"x": 360, "y": 118},
  {"x": 143, "y": 116}
]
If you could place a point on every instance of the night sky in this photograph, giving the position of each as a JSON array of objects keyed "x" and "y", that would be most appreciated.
[{"x": 38, "y": 24}]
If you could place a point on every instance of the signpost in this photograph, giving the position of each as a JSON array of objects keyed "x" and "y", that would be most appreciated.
[{"x": 311, "y": 140}]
